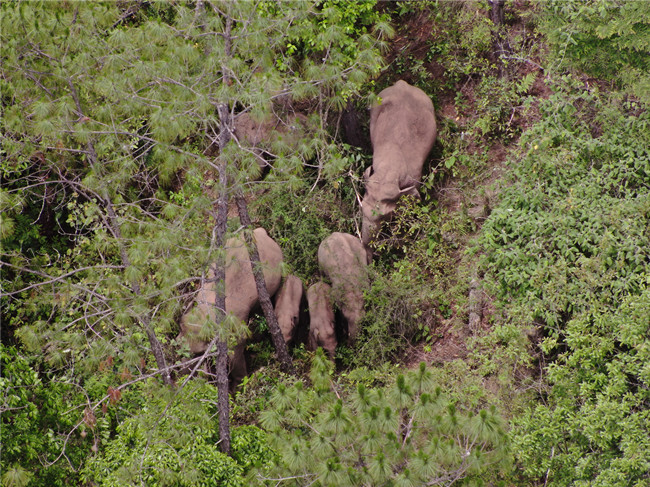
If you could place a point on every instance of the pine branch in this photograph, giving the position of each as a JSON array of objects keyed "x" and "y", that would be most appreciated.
[
  {"x": 113, "y": 225},
  {"x": 53, "y": 280}
]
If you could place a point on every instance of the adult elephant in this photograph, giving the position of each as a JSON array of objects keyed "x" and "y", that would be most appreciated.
[
  {"x": 342, "y": 258},
  {"x": 402, "y": 132},
  {"x": 241, "y": 294}
]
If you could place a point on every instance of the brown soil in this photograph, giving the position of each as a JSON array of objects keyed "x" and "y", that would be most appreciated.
[{"x": 455, "y": 194}]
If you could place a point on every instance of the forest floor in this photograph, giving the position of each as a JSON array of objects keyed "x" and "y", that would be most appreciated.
[{"x": 470, "y": 193}]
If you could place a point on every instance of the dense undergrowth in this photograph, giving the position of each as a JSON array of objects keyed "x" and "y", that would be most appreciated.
[
  {"x": 553, "y": 388},
  {"x": 567, "y": 252}
]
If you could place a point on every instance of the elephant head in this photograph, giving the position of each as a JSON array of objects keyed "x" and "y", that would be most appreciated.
[{"x": 382, "y": 195}]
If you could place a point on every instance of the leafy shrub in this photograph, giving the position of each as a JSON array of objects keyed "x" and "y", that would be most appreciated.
[
  {"x": 35, "y": 422},
  {"x": 173, "y": 441},
  {"x": 406, "y": 434},
  {"x": 400, "y": 309},
  {"x": 411, "y": 278},
  {"x": 595, "y": 431},
  {"x": 605, "y": 39},
  {"x": 568, "y": 251},
  {"x": 299, "y": 220},
  {"x": 574, "y": 222},
  {"x": 250, "y": 447},
  {"x": 498, "y": 101}
]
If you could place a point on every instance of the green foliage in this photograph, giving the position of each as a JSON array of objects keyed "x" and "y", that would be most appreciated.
[
  {"x": 567, "y": 251},
  {"x": 253, "y": 395},
  {"x": 116, "y": 128},
  {"x": 409, "y": 433},
  {"x": 335, "y": 37},
  {"x": 414, "y": 231},
  {"x": 36, "y": 420},
  {"x": 250, "y": 448},
  {"x": 299, "y": 221},
  {"x": 498, "y": 101},
  {"x": 603, "y": 440},
  {"x": 410, "y": 284},
  {"x": 172, "y": 440},
  {"x": 462, "y": 41},
  {"x": 458, "y": 49},
  {"x": 400, "y": 310},
  {"x": 604, "y": 38},
  {"x": 574, "y": 223}
]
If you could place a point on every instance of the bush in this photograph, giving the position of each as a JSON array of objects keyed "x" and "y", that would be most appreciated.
[
  {"x": 299, "y": 220},
  {"x": 409, "y": 433},
  {"x": 568, "y": 251},
  {"x": 173, "y": 441},
  {"x": 411, "y": 280},
  {"x": 36, "y": 420},
  {"x": 400, "y": 310},
  {"x": 605, "y": 39}
]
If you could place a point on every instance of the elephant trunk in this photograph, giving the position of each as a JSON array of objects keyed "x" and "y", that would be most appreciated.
[{"x": 368, "y": 232}]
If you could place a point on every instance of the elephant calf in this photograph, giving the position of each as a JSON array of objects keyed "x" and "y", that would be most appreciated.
[
  {"x": 288, "y": 307},
  {"x": 342, "y": 258},
  {"x": 402, "y": 132},
  {"x": 321, "y": 316}
]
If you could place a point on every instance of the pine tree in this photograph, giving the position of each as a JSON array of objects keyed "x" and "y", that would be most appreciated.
[
  {"x": 111, "y": 115},
  {"x": 406, "y": 434}
]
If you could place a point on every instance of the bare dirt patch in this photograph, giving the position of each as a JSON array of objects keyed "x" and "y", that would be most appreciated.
[{"x": 468, "y": 195}]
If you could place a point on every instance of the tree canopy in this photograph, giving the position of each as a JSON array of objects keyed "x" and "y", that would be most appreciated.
[{"x": 129, "y": 131}]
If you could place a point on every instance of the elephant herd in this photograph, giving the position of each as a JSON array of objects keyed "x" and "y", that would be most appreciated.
[{"x": 403, "y": 131}]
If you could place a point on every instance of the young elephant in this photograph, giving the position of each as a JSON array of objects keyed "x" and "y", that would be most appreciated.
[
  {"x": 402, "y": 131},
  {"x": 342, "y": 258},
  {"x": 241, "y": 293},
  {"x": 321, "y": 318},
  {"x": 288, "y": 307}
]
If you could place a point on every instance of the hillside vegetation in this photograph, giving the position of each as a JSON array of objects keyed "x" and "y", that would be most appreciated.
[{"x": 506, "y": 339}]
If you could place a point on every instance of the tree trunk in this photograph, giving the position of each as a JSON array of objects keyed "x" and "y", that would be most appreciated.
[
  {"x": 475, "y": 305},
  {"x": 114, "y": 227},
  {"x": 496, "y": 13},
  {"x": 221, "y": 363},
  {"x": 281, "y": 350},
  {"x": 500, "y": 44}
]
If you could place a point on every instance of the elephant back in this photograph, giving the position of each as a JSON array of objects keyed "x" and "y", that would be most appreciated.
[
  {"x": 343, "y": 259},
  {"x": 403, "y": 121},
  {"x": 241, "y": 290}
]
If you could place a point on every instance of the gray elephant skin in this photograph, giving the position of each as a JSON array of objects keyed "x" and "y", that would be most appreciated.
[
  {"x": 241, "y": 293},
  {"x": 321, "y": 318},
  {"x": 290, "y": 303},
  {"x": 342, "y": 258},
  {"x": 402, "y": 132}
]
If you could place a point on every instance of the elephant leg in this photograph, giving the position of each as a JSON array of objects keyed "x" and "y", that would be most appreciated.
[{"x": 238, "y": 366}]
